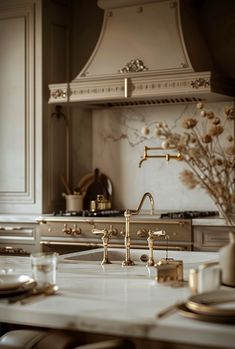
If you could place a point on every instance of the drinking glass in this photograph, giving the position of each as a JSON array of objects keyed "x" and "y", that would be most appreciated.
[{"x": 44, "y": 266}]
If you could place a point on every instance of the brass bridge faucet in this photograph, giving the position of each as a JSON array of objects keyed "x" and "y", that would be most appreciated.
[{"x": 127, "y": 215}]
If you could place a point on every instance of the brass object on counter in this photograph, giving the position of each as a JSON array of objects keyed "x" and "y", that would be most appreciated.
[
  {"x": 127, "y": 215},
  {"x": 151, "y": 237},
  {"x": 167, "y": 156},
  {"x": 169, "y": 270},
  {"x": 100, "y": 204},
  {"x": 105, "y": 239}
]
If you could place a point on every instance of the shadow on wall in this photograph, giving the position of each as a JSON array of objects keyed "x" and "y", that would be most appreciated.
[{"x": 218, "y": 25}]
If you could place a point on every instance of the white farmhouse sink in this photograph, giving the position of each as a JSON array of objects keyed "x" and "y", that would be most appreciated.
[
  {"x": 116, "y": 255},
  {"x": 94, "y": 255}
]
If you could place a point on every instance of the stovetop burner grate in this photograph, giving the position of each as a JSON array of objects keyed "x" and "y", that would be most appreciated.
[
  {"x": 120, "y": 213},
  {"x": 87, "y": 213},
  {"x": 189, "y": 214}
]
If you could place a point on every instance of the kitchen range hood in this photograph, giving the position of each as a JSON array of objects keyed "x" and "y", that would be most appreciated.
[{"x": 149, "y": 52}]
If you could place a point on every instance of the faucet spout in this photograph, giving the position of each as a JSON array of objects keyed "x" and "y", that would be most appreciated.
[{"x": 151, "y": 199}]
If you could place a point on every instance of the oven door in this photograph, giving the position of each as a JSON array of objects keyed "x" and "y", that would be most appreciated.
[{"x": 62, "y": 247}]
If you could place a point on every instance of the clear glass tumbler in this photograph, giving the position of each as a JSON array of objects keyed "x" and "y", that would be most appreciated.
[{"x": 44, "y": 266}]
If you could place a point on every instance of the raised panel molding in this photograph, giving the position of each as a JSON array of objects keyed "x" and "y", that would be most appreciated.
[{"x": 18, "y": 192}]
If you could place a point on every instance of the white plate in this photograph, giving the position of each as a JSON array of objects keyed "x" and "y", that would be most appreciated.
[{"x": 11, "y": 281}]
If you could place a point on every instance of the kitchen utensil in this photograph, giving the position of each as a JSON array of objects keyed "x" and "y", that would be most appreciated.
[
  {"x": 65, "y": 184},
  {"x": 215, "y": 306},
  {"x": 97, "y": 187},
  {"x": 33, "y": 294},
  {"x": 74, "y": 202}
]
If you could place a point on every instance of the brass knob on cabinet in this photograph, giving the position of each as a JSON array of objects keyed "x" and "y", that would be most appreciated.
[
  {"x": 76, "y": 230},
  {"x": 67, "y": 230},
  {"x": 142, "y": 233}
]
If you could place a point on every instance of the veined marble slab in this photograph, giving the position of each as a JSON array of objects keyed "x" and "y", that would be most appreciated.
[{"x": 118, "y": 300}]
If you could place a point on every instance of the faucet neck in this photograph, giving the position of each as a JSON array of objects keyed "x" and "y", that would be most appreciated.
[{"x": 151, "y": 199}]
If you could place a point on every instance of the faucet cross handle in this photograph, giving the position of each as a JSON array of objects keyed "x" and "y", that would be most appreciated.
[
  {"x": 105, "y": 239},
  {"x": 151, "y": 237}
]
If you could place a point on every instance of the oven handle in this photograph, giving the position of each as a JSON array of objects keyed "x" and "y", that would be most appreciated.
[
  {"x": 96, "y": 244},
  {"x": 10, "y": 228}
]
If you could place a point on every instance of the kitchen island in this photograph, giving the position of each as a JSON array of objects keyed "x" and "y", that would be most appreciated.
[{"x": 118, "y": 301}]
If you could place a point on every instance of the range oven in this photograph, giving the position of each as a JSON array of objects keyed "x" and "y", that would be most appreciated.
[{"x": 70, "y": 232}]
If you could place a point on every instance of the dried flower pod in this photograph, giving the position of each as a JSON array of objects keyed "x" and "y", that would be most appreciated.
[
  {"x": 188, "y": 178},
  {"x": 230, "y": 138},
  {"x": 189, "y": 123},
  {"x": 216, "y": 130},
  {"x": 216, "y": 162},
  {"x": 145, "y": 131},
  {"x": 207, "y": 138},
  {"x": 230, "y": 113},
  {"x": 216, "y": 121},
  {"x": 210, "y": 115},
  {"x": 199, "y": 105},
  {"x": 230, "y": 150},
  {"x": 203, "y": 113},
  {"x": 165, "y": 144}
]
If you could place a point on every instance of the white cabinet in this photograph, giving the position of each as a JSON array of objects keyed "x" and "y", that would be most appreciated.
[
  {"x": 33, "y": 51},
  {"x": 209, "y": 238},
  {"x": 18, "y": 238}
]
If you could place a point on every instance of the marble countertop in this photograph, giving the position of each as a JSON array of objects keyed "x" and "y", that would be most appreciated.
[{"x": 117, "y": 300}]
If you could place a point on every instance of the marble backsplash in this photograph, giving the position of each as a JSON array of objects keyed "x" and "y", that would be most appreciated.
[{"x": 118, "y": 145}]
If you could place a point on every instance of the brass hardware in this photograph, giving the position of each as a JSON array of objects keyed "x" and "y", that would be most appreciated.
[
  {"x": 152, "y": 235},
  {"x": 67, "y": 230},
  {"x": 126, "y": 87},
  {"x": 76, "y": 230},
  {"x": 105, "y": 239},
  {"x": 112, "y": 231},
  {"x": 200, "y": 83},
  {"x": 127, "y": 215},
  {"x": 142, "y": 233},
  {"x": 167, "y": 156},
  {"x": 100, "y": 204},
  {"x": 144, "y": 258},
  {"x": 169, "y": 270},
  {"x": 59, "y": 93}
]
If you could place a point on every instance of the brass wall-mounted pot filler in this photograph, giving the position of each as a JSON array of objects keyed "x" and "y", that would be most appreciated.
[{"x": 167, "y": 156}]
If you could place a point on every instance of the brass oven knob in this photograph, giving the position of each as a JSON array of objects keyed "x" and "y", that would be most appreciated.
[
  {"x": 76, "y": 230},
  {"x": 142, "y": 233},
  {"x": 67, "y": 230},
  {"x": 112, "y": 231}
]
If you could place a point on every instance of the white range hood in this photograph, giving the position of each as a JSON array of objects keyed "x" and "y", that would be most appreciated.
[{"x": 149, "y": 53}]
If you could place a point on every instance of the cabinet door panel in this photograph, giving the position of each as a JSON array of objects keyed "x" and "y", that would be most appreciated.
[
  {"x": 12, "y": 107},
  {"x": 19, "y": 145}
]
